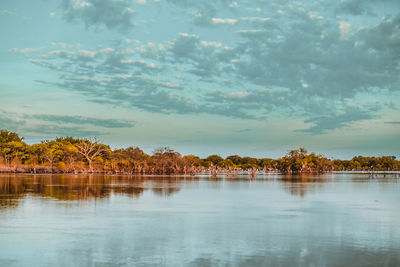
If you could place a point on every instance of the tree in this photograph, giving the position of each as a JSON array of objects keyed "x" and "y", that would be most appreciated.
[
  {"x": 90, "y": 150},
  {"x": 52, "y": 151},
  {"x": 214, "y": 159},
  {"x": 131, "y": 159},
  {"x": 237, "y": 160},
  {"x": 167, "y": 161},
  {"x": 7, "y": 136},
  {"x": 191, "y": 162},
  {"x": 249, "y": 163},
  {"x": 268, "y": 163},
  {"x": 14, "y": 151},
  {"x": 226, "y": 164},
  {"x": 70, "y": 153},
  {"x": 65, "y": 154},
  {"x": 12, "y": 147},
  {"x": 298, "y": 161},
  {"x": 137, "y": 158}
]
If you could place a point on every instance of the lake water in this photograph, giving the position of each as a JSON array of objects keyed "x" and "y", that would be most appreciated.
[{"x": 273, "y": 220}]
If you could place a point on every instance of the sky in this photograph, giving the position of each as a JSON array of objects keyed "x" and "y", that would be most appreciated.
[{"x": 253, "y": 77}]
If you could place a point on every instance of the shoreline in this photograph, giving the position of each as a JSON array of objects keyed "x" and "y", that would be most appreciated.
[
  {"x": 208, "y": 172},
  {"x": 75, "y": 155}
]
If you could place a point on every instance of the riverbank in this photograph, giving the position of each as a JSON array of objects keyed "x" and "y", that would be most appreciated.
[
  {"x": 211, "y": 172},
  {"x": 74, "y": 155}
]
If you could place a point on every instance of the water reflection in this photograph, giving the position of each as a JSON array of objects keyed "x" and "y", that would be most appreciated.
[
  {"x": 273, "y": 220},
  {"x": 65, "y": 187},
  {"x": 85, "y": 187},
  {"x": 300, "y": 185}
]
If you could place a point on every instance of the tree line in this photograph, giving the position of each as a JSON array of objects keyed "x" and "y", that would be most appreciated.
[{"x": 82, "y": 155}]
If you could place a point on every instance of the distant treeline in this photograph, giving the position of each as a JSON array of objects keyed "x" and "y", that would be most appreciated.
[{"x": 73, "y": 155}]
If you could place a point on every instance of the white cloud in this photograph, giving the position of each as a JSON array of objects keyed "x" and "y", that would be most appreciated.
[
  {"x": 27, "y": 50},
  {"x": 81, "y": 5},
  {"x": 86, "y": 53},
  {"x": 233, "y": 5},
  {"x": 255, "y": 19},
  {"x": 183, "y": 34},
  {"x": 312, "y": 15},
  {"x": 224, "y": 21},
  {"x": 213, "y": 44},
  {"x": 249, "y": 31},
  {"x": 140, "y": 2},
  {"x": 344, "y": 28},
  {"x": 320, "y": 62}
]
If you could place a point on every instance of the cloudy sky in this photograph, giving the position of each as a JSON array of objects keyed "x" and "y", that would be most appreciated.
[{"x": 251, "y": 77}]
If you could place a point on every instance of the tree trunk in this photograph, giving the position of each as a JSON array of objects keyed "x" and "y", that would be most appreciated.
[{"x": 90, "y": 164}]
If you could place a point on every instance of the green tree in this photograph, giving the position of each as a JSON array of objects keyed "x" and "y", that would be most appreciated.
[
  {"x": 214, "y": 159},
  {"x": 226, "y": 164},
  {"x": 12, "y": 147},
  {"x": 237, "y": 160}
]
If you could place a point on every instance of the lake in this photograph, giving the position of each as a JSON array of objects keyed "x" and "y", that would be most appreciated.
[{"x": 272, "y": 220}]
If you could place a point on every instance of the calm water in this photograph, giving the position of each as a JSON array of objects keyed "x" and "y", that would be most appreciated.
[{"x": 329, "y": 220}]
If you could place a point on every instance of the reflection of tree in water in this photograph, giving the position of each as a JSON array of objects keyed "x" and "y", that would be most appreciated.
[
  {"x": 68, "y": 187},
  {"x": 166, "y": 185},
  {"x": 300, "y": 185},
  {"x": 165, "y": 191},
  {"x": 11, "y": 191},
  {"x": 130, "y": 190}
]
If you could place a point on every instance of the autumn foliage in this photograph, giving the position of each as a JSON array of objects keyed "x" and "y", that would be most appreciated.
[{"x": 73, "y": 155}]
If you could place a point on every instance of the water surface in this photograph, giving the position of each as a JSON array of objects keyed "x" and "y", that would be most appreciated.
[{"x": 273, "y": 220}]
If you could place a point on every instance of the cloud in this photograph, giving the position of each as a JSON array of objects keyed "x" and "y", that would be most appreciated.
[
  {"x": 4, "y": 12},
  {"x": 113, "y": 14},
  {"x": 27, "y": 50},
  {"x": 44, "y": 63},
  {"x": 295, "y": 59},
  {"x": 57, "y": 130},
  {"x": 142, "y": 92},
  {"x": 206, "y": 59},
  {"x": 9, "y": 123},
  {"x": 224, "y": 21},
  {"x": 60, "y": 125},
  {"x": 250, "y": 104},
  {"x": 362, "y": 7},
  {"x": 353, "y": 7},
  {"x": 392, "y": 122},
  {"x": 107, "y": 123},
  {"x": 344, "y": 28},
  {"x": 322, "y": 124},
  {"x": 185, "y": 45},
  {"x": 257, "y": 20}
]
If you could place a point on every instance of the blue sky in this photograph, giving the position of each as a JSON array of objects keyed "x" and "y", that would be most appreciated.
[{"x": 251, "y": 78}]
